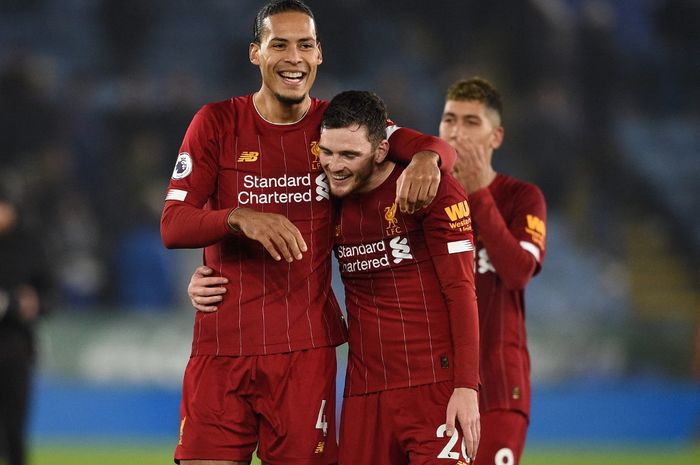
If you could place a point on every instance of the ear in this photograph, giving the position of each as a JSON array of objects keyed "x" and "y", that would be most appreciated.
[
  {"x": 381, "y": 151},
  {"x": 320, "y": 54},
  {"x": 497, "y": 137},
  {"x": 253, "y": 50}
]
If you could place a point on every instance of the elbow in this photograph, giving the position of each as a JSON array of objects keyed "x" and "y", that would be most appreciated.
[
  {"x": 516, "y": 282},
  {"x": 167, "y": 236},
  {"x": 516, "y": 276},
  {"x": 167, "y": 239}
]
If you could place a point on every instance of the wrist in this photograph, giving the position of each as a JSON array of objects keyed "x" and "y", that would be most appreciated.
[
  {"x": 233, "y": 220},
  {"x": 428, "y": 156}
]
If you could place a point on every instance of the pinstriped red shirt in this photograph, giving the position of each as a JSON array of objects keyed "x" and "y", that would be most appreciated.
[
  {"x": 231, "y": 157},
  {"x": 409, "y": 289},
  {"x": 510, "y": 229}
]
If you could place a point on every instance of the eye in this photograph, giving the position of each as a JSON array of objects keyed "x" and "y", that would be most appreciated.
[{"x": 307, "y": 45}]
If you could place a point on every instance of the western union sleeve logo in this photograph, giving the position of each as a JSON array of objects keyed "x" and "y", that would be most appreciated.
[
  {"x": 458, "y": 211},
  {"x": 249, "y": 157},
  {"x": 536, "y": 229}
]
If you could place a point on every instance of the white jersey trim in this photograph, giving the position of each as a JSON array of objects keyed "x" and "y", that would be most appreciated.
[
  {"x": 176, "y": 194},
  {"x": 532, "y": 248},
  {"x": 391, "y": 129},
  {"x": 460, "y": 246}
]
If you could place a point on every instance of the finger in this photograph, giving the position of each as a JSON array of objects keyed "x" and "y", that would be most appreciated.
[
  {"x": 475, "y": 445},
  {"x": 270, "y": 247},
  {"x": 401, "y": 195},
  {"x": 199, "y": 281},
  {"x": 296, "y": 242},
  {"x": 432, "y": 192},
  {"x": 421, "y": 197},
  {"x": 450, "y": 421},
  {"x": 282, "y": 242},
  {"x": 206, "y": 291},
  {"x": 205, "y": 308},
  {"x": 208, "y": 300},
  {"x": 469, "y": 441},
  {"x": 467, "y": 435},
  {"x": 211, "y": 281},
  {"x": 412, "y": 191},
  {"x": 470, "y": 429},
  {"x": 300, "y": 240},
  {"x": 203, "y": 270}
]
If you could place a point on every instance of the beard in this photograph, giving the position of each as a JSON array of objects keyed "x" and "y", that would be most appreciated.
[
  {"x": 289, "y": 101},
  {"x": 360, "y": 179}
]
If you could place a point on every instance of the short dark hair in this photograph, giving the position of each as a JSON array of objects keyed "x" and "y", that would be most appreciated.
[
  {"x": 477, "y": 89},
  {"x": 275, "y": 7},
  {"x": 357, "y": 107}
]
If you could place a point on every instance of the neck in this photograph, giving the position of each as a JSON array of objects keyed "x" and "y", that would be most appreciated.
[
  {"x": 272, "y": 110},
  {"x": 381, "y": 172},
  {"x": 491, "y": 175}
]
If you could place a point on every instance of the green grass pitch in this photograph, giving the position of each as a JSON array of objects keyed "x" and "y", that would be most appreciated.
[{"x": 162, "y": 455}]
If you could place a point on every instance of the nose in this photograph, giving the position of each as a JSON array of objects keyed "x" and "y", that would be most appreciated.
[
  {"x": 332, "y": 163},
  {"x": 455, "y": 130},
  {"x": 293, "y": 55}
]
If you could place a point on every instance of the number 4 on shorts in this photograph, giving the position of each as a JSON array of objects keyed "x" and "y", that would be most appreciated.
[{"x": 321, "y": 422}]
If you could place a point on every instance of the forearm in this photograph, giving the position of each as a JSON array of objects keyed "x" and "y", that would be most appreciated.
[
  {"x": 185, "y": 226},
  {"x": 514, "y": 265},
  {"x": 405, "y": 143},
  {"x": 457, "y": 283}
]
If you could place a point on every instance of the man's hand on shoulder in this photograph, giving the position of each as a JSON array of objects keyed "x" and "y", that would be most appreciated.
[{"x": 418, "y": 184}]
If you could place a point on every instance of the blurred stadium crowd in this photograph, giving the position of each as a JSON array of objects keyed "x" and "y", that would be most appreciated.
[{"x": 604, "y": 116}]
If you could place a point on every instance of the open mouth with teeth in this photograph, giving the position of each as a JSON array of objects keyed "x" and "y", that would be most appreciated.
[
  {"x": 340, "y": 176},
  {"x": 292, "y": 77}
]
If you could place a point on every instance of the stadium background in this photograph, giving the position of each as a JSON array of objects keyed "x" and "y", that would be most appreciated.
[{"x": 602, "y": 111}]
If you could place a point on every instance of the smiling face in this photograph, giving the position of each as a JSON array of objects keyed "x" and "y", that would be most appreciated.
[
  {"x": 288, "y": 56},
  {"x": 350, "y": 161}
]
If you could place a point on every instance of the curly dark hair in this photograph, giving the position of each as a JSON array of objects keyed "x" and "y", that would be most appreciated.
[{"x": 357, "y": 107}]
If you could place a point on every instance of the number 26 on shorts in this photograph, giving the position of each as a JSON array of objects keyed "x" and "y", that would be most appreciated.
[{"x": 448, "y": 452}]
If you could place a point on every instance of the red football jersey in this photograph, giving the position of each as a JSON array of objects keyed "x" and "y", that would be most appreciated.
[
  {"x": 510, "y": 229},
  {"x": 408, "y": 289},
  {"x": 232, "y": 157}
]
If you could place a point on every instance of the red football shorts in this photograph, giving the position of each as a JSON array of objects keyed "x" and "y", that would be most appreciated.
[
  {"x": 283, "y": 404},
  {"x": 502, "y": 437},
  {"x": 399, "y": 427}
]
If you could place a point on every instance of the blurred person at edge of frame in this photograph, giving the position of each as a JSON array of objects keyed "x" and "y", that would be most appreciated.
[{"x": 24, "y": 287}]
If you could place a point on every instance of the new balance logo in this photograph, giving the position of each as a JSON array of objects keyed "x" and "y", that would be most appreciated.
[
  {"x": 458, "y": 211},
  {"x": 249, "y": 157}
]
